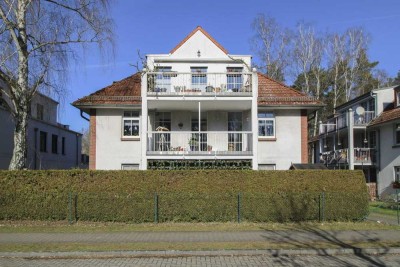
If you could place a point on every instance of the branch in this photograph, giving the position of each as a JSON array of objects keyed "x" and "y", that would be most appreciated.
[{"x": 10, "y": 26}]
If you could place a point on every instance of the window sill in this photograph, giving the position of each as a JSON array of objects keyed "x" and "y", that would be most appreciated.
[
  {"x": 396, "y": 146},
  {"x": 136, "y": 138},
  {"x": 267, "y": 139}
]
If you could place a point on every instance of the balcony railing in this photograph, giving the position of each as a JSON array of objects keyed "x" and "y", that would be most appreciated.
[
  {"x": 364, "y": 119},
  {"x": 199, "y": 143},
  {"x": 364, "y": 156},
  {"x": 199, "y": 84},
  {"x": 340, "y": 156}
]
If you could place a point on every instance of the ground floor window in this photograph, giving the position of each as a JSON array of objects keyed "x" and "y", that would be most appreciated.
[
  {"x": 131, "y": 124},
  {"x": 266, "y": 167},
  {"x": 397, "y": 173},
  {"x": 129, "y": 167}
]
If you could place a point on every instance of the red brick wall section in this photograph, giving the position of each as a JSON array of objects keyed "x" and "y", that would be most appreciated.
[
  {"x": 304, "y": 136},
  {"x": 92, "y": 146}
]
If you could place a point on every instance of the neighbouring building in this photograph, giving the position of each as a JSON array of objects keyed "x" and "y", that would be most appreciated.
[
  {"x": 364, "y": 134},
  {"x": 197, "y": 105},
  {"x": 51, "y": 145}
]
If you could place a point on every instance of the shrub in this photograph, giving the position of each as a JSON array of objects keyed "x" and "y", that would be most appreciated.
[{"x": 184, "y": 195}]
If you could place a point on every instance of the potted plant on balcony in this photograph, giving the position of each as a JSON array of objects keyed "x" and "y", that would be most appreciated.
[
  {"x": 193, "y": 143},
  {"x": 396, "y": 184}
]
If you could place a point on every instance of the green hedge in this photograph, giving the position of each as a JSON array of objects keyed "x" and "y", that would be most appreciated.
[{"x": 201, "y": 195}]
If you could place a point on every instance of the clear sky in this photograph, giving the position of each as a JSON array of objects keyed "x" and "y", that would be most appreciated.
[{"x": 157, "y": 26}]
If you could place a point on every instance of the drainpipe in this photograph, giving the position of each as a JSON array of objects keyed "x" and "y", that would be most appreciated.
[
  {"x": 35, "y": 154},
  {"x": 84, "y": 116},
  {"x": 350, "y": 119}
]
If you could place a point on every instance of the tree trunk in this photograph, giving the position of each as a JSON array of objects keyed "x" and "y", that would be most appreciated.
[{"x": 18, "y": 160}]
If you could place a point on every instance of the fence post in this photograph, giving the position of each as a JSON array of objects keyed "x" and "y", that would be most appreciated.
[
  {"x": 70, "y": 207},
  {"x": 398, "y": 206},
  {"x": 238, "y": 206},
  {"x": 322, "y": 207},
  {"x": 155, "y": 208}
]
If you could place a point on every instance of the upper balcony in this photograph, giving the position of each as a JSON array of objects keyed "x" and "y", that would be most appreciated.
[
  {"x": 199, "y": 84},
  {"x": 340, "y": 121}
]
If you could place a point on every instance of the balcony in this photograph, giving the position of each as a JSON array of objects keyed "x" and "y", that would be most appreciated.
[
  {"x": 199, "y": 84},
  {"x": 362, "y": 156},
  {"x": 340, "y": 122},
  {"x": 199, "y": 143},
  {"x": 364, "y": 119}
]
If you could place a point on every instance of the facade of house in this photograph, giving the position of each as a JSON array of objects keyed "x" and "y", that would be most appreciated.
[
  {"x": 197, "y": 104},
  {"x": 363, "y": 135},
  {"x": 51, "y": 145}
]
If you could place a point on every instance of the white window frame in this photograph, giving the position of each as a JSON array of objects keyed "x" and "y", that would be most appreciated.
[
  {"x": 130, "y": 115},
  {"x": 398, "y": 98},
  {"x": 267, "y": 167},
  {"x": 273, "y": 120},
  {"x": 396, "y": 130},
  {"x": 396, "y": 170}
]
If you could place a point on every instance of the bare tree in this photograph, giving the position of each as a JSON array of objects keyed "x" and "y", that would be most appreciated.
[
  {"x": 307, "y": 58},
  {"x": 335, "y": 51},
  {"x": 37, "y": 38},
  {"x": 355, "y": 45},
  {"x": 271, "y": 43}
]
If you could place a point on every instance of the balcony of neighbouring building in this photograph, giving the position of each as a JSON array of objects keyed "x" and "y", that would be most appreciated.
[
  {"x": 200, "y": 143},
  {"x": 362, "y": 156},
  {"x": 340, "y": 121},
  {"x": 199, "y": 84}
]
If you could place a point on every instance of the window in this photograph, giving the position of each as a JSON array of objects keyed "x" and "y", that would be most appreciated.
[
  {"x": 198, "y": 141},
  {"x": 234, "y": 79},
  {"x": 162, "y": 125},
  {"x": 266, "y": 167},
  {"x": 397, "y": 134},
  {"x": 398, "y": 98},
  {"x": 129, "y": 167},
  {"x": 39, "y": 111},
  {"x": 235, "y": 125},
  {"x": 397, "y": 173},
  {"x": 54, "y": 143},
  {"x": 199, "y": 78},
  {"x": 63, "y": 145},
  {"x": 43, "y": 141},
  {"x": 131, "y": 124},
  {"x": 266, "y": 124},
  {"x": 163, "y": 80}
]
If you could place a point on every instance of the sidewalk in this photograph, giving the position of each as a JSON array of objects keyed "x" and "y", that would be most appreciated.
[{"x": 305, "y": 236}]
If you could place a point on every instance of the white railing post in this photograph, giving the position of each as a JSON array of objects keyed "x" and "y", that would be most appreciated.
[{"x": 350, "y": 127}]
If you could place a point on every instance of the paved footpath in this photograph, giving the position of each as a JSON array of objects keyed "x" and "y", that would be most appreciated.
[
  {"x": 206, "y": 261},
  {"x": 303, "y": 236}
]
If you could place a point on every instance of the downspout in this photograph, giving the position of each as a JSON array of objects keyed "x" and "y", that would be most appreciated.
[
  {"x": 84, "y": 116},
  {"x": 35, "y": 154}
]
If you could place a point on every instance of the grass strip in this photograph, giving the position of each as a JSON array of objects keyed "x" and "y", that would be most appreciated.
[
  {"x": 97, "y": 227},
  {"x": 184, "y": 246}
]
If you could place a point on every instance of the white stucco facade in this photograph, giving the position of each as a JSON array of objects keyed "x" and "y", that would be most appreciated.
[{"x": 198, "y": 103}]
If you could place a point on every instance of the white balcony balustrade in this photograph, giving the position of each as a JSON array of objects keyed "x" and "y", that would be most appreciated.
[
  {"x": 199, "y": 84},
  {"x": 199, "y": 143}
]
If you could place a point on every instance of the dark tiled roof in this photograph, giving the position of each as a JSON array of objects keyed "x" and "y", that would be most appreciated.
[
  {"x": 389, "y": 114},
  {"x": 125, "y": 91},
  {"x": 274, "y": 93}
]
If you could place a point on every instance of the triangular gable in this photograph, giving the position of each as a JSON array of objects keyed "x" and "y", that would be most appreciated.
[{"x": 190, "y": 40}]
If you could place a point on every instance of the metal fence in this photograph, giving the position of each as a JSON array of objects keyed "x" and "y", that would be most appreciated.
[{"x": 183, "y": 207}]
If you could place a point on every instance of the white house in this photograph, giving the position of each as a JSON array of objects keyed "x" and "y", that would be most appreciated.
[
  {"x": 51, "y": 145},
  {"x": 364, "y": 134},
  {"x": 199, "y": 105}
]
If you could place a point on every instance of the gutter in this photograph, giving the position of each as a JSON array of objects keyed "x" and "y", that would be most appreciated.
[{"x": 84, "y": 116}]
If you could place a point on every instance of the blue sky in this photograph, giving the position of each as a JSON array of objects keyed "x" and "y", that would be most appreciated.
[{"x": 156, "y": 26}]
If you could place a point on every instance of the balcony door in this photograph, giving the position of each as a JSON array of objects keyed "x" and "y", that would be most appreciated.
[
  {"x": 235, "y": 125},
  {"x": 199, "y": 79},
  {"x": 198, "y": 141},
  {"x": 162, "y": 137}
]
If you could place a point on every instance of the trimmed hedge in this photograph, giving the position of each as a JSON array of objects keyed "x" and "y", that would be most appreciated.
[{"x": 201, "y": 195}]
